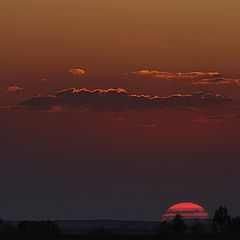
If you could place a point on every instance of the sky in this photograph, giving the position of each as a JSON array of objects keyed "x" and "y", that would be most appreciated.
[{"x": 118, "y": 109}]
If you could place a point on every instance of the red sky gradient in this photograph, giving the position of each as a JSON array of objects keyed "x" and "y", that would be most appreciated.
[{"x": 114, "y": 109}]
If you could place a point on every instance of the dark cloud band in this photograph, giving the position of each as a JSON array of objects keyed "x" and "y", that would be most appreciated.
[{"x": 120, "y": 100}]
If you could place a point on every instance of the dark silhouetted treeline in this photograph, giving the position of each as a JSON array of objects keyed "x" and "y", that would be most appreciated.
[
  {"x": 221, "y": 227},
  {"x": 28, "y": 230}
]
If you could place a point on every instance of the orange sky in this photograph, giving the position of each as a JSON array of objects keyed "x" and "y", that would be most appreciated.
[{"x": 43, "y": 38}]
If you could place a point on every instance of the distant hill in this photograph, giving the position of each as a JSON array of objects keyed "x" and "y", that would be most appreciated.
[{"x": 113, "y": 226}]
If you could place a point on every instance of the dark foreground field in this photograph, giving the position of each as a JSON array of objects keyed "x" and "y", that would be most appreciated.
[{"x": 119, "y": 237}]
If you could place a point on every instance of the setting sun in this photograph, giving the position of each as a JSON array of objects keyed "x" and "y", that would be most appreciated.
[{"x": 187, "y": 210}]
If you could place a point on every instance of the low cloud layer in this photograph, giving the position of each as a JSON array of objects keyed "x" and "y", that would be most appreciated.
[{"x": 120, "y": 100}]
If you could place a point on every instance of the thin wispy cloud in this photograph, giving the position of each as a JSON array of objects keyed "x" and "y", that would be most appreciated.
[
  {"x": 177, "y": 75},
  {"x": 217, "y": 81},
  {"x": 189, "y": 78},
  {"x": 77, "y": 71},
  {"x": 12, "y": 88}
]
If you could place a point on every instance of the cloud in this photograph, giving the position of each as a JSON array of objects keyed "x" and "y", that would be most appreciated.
[
  {"x": 177, "y": 75},
  {"x": 40, "y": 103},
  {"x": 189, "y": 78},
  {"x": 217, "y": 81},
  {"x": 13, "y": 88},
  {"x": 77, "y": 71},
  {"x": 119, "y": 100}
]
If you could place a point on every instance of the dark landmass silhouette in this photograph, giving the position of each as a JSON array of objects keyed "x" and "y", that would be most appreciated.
[{"x": 221, "y": 226}]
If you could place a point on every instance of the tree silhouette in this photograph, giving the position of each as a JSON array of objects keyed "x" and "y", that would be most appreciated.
[
  {"x": 38, "y": 228},
  {"x": 235, "y": 225},
  {"x": 178, "y": 225},
  {"x": 8, "y": 229},
  {"x": 1, "y": 225},
  {"x": 165, "y": 228},
  {"x": 197, "y": 230},
  {"x": 221, "y": 220}
]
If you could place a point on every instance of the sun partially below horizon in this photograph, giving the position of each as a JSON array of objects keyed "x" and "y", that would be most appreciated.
[{"x": 187, "y": 210}]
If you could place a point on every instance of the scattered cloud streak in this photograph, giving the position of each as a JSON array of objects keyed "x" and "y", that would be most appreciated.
[
  {"x": 217, "y": 81},
  {"x": 177, "y": 75},
  {"x": 194, "y": 78},
  {"x": 77, "y": 71},
  {"x": 13, "y": 88}
]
